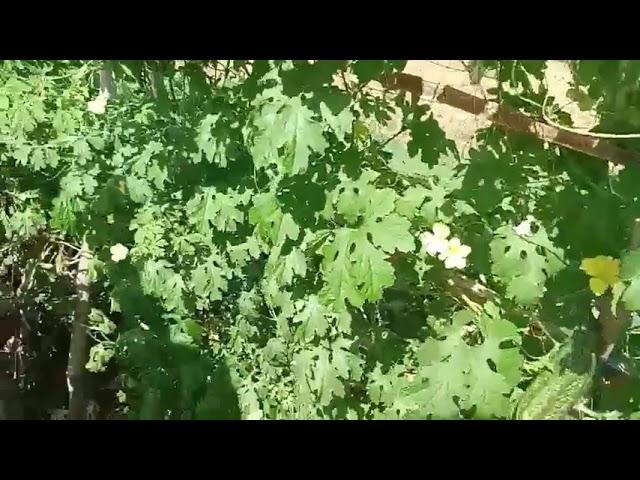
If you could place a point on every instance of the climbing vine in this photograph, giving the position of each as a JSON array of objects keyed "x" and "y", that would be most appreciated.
[{"x": 262, "y": 243}]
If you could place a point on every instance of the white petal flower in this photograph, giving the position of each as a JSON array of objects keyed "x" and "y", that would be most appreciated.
[
  {"x": 98, "y": 105},
  {"x": 441, "y": 230},
  {"x": 435, "y": 242},
  {"x": 455, "y": 255},
  {"x": 118, "y": 252}
]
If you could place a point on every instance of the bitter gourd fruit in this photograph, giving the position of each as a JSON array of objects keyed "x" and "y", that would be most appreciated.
[{"x": 555, "y": 391}]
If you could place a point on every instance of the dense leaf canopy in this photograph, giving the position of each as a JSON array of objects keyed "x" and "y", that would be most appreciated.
[{"x": 268, "y": 237}]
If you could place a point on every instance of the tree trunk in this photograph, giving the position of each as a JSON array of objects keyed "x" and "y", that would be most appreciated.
[
  {"x": 78, "y": 345},
  {"x": 107, "y": 85},
  {"x": 158, "y": 90}
]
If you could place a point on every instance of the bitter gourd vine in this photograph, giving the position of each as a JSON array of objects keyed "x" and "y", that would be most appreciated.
[{"x": 275, "y": 239}]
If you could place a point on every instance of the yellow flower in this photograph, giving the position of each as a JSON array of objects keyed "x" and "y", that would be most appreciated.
[{"x": 604, "y": 272}]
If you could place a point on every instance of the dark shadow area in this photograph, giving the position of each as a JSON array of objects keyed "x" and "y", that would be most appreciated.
[
  {"x": 167, "y": 375},
  {"x": 11, "y": 407},
  {"x": 220, "y": 401}
]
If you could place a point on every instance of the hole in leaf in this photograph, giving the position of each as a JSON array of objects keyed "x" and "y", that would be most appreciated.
[
  {"x": 492, "y": 365},
  {"x": 507, "y": 344}
]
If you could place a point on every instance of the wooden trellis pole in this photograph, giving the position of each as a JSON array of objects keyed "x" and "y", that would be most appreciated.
[{"x": 510, "y": 119}]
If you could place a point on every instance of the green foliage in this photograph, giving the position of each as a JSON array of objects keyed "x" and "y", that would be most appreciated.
[
  {"x": 256, "y": 232},
  {"x": 630, "y": 272},
  {"x": 285, "y": 135},
  {"x": 524, "y": 261},
  {"x": 455, "y": 375}
]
